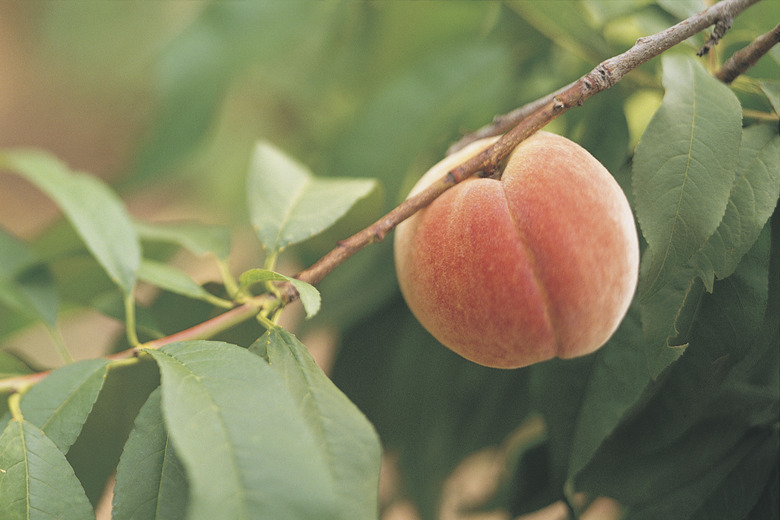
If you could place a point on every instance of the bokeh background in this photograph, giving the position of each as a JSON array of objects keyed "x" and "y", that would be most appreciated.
[{"x": 165, "y": 100}]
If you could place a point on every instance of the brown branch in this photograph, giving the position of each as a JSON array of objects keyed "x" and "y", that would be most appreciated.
[
  {"x": 525, "y": 121},
  {"x": 745, "y": 58},
  {"x": 652, "y": 45}
]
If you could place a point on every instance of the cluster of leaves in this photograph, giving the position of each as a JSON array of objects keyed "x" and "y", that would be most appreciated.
[
  {"x": 676, "y": 417},
  {"x": 207, "y": 440}
]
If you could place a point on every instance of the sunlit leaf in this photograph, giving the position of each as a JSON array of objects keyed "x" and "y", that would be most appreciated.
[
  {"x": 175, "y": 280},
  {"x": 310, "y": 296},
  {"x": 287, "y": 204}
]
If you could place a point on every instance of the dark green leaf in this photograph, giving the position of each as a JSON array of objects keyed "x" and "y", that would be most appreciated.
[
  {"x": 246, "y": 450},
  {"x": 348, "y": 441},
  {"x": 684, "y": 168},
  {"x": 310, "y": 296},
  {"x": 753, "y": 198},
  {"x": 25, "y": 285},
  {"x": 150, "y": 481},
  {"x": 197, "y": 238},
  {"x": 36, "y": 482},
  {"x": 103, "y": 223},
  {"x": 287, "y": 204},
  {"x": 60, "y": 404}
]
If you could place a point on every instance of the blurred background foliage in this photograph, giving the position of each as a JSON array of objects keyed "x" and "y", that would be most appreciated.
[{"x": 166, "y": 99}]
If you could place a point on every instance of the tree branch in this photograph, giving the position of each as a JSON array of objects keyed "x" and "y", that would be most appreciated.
[
  {"x": 646, "y": 48},
  {"x": 524, "y": 122},
  {"x": 745, "y": 58}
]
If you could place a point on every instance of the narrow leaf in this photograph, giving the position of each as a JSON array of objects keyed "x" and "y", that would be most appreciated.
[
  {"x": 195, "y": 237},
  {"x": 176, "y": 281},
  {"x": 347, "y": 439},
  {"x": 684, "y": 168},
  {"x": 247, "y": 452},
  {"x": 60, "y": 404},
  {"x": 93, "y": 209},
  {"x": 150, "y": 480},
  {"x": 310, "y": 296},
  {"x": 753, "y": 199},
  {"x": 36, "y": 481},
  {"x": 287, "y": 204}
]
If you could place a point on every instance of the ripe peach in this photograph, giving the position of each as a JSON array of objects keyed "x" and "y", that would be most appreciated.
[{"x": 541, "y": 263}]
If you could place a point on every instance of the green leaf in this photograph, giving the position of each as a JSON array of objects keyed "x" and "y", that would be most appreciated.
[
  {"x": 310, "y": 296},
  {"x": 772, "y": 91},
  {"x": 150, "y": 480},
  {"x": 26, "y": 285},
  {"x": 246, "y": 450},
  {"x": 347, "y": 439},
  {"x": 36, "y": 481},
  {"x": 195, "y": 237},
  {"x": 60, "y": 404},
  {"x": 93, "y": 209},
  {"x": 684, "y": 168},
  {"x": 177, "y": 281},
  {"x": 753, "y": 197},
  {"x": 287, "y": 204}
]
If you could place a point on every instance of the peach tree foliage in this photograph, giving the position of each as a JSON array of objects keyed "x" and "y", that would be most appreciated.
[{"x": 676, "y": 417}]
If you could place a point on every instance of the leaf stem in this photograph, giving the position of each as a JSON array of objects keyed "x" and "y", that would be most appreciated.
[{"x": 132, "y": 336}]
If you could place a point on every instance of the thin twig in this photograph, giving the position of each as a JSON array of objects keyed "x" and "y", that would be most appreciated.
[{"x": 745, "y": 58}]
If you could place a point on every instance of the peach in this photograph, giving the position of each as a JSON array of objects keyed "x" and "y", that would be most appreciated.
[{"x": 540, "y": 263}]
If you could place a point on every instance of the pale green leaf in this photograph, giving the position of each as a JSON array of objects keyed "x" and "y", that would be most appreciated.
[
  {"x": 347, "y": 439},
  {"x": 11, "y": 366},
  {"x": 175, "y": 280},
  {"x": 95, "y": 212},
  {"x": 60, "y": 404},
  {"x": 753, "y": 198},
  {"x": 309, "y": 295},
  {"x": 150, "y": 480},
  {"x": 287, "y": 204},
  {"x": 195, "y": 237},
  {"x": 246, "y": 450},
  {"x": 684, "y": 168},
  {"x": 772, "y": 91},
  {"x": 36, "y": 481}
]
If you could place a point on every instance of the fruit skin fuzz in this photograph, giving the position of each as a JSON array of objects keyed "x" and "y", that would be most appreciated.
[{"x": 542, "y": 263}]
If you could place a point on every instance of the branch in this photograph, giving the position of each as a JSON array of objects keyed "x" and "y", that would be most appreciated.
[
  {"x": 647, "y": 47},
  {"x": 523, "y": 122},
  {"x": 745, "y": 58}
]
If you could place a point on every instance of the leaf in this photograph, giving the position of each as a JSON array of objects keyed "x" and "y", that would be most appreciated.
[
  {"x": 684, "y": 168},
  {"x": 177, "y": 281},
  {"x": 36, "y": 481},
  {"x": 310, "y": 296},
  {"x": 93, "y": 209},
  {"x": 753, "y": 197},
  {"x": 347, "y": 439},
  {"x": 25, "y": 284},
  {"x": 60, "y": 404},
  {"x": 246, "y": 450},
  {"x": 772, "y": 91},
  {"x": 195, "y": 237},
  {"x": 150, "y": 480},
  {"x": 287, "y": 204}
]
